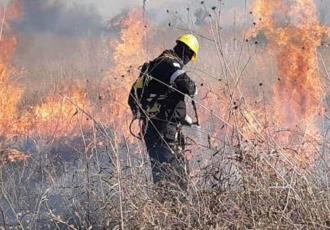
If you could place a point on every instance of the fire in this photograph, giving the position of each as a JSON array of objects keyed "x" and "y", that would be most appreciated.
[
  {"x": 130, "y": 50},
  {"x": 61, "y": 115},
  {"x": 294, "y": 34},
  {"x": 129, "y": 54},
  {"x": 10, "y": 91},
  {"x": 11, "y": 155}
]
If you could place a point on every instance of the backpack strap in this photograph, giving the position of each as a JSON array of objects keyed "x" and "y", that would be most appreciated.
[
  {"x": 150, "y": 103},
  {"x": 175, "y": 75}
]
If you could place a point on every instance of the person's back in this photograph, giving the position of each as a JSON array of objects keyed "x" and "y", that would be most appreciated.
[{"x": 170, "y": 85}]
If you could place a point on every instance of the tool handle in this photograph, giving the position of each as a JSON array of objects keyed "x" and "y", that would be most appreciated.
[{"x": 196, "y": 113}]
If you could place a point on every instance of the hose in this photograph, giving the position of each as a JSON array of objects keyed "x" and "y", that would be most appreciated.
[{"x": 131, "y": 131}]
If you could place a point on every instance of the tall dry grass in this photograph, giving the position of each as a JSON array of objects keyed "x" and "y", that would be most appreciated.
[{"x": 241, "y": 177}]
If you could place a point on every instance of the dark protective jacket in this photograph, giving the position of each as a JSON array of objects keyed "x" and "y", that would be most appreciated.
[{"x": 167, "y": 69}]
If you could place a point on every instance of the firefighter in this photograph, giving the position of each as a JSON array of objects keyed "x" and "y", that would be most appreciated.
[{"x": 165, "y": 109}]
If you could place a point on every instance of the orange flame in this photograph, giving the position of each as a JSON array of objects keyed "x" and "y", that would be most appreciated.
[
  {"x": 10, "y": 92},
  {"x": 12, "y": 155},
  {"x": 294, "y": 33},
  {"x": 129, "y": 54},
  {"x": 61, "y": 116},
  {"x": 57, "y": 116}
]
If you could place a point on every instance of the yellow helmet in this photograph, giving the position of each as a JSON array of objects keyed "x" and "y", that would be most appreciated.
[{"x": 192, "y": 42}]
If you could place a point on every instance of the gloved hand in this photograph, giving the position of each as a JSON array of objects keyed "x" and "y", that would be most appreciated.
[
  {"x": 187, "y": 121},
  {"x": 196, "y": 92}
]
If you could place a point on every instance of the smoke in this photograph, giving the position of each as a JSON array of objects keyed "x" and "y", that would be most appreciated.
[
  {"x": 47, "y": 16},
  {"x": 70, "y": 33},
  {"x": 82, "y": 17}
]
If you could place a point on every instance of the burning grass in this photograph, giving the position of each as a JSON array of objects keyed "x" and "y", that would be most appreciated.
[{"x": 257, "y": 162}]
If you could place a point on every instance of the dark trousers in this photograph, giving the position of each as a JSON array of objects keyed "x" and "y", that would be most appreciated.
[{"x": 168, "y": 163}]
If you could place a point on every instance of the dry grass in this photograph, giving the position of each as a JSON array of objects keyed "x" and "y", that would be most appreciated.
[{"x": 242, "y": 178}]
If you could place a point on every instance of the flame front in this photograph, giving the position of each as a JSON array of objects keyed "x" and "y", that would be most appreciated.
[
  {"x": 294, "y": 33},
  {"x": 61, "y": 116},
  {"x": 58, "y": 116},
  {"x": 129, "y": 54},
  {"x": 298, "y": 92},
  {"x": 10, "y": 91}
]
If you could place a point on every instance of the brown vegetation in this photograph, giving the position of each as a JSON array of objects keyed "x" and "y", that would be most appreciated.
[{"x": 250, "y": 169}]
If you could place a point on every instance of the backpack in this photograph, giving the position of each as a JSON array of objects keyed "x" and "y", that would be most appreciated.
[{"x": 140, "y": 101}]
